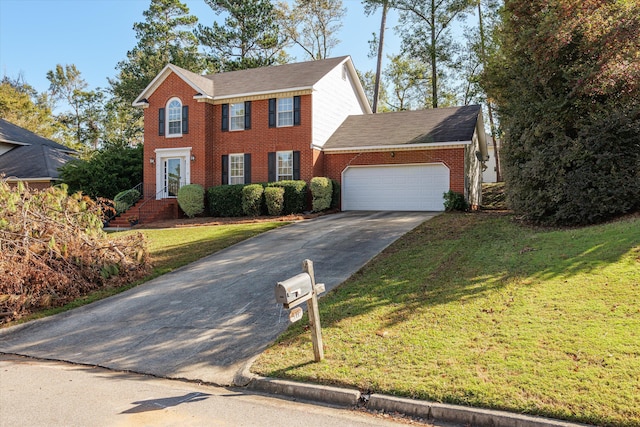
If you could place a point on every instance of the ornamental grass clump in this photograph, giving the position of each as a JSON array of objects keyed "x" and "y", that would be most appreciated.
[
  {"x": 53, "y": 250},
  {"x": 191, "y": 199}
]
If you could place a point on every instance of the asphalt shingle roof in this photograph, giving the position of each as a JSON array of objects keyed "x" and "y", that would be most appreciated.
[
  {"x": 33, "y": 156},
  {"x": 406, "y": 128}
]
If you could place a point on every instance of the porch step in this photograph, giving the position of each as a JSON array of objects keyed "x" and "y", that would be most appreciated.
[{"x": 147, "y": 211}]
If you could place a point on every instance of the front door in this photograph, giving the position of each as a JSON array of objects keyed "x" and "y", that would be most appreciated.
[{"x": 173, "y": 176}]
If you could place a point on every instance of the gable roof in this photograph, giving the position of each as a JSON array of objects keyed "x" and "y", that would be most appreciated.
[
  {"x": 407, "y": 129},
  {"x": 33, "y": 156},
  {"x": 254, "y": 81}
]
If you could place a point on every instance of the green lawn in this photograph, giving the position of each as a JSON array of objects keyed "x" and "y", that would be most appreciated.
[{"x": 477, "y": 310}]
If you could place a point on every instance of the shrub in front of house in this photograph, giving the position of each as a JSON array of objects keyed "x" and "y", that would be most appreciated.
[
  {"x": 274, "y": 199},
  {"x": 191, "y": 199},
  {"x": 335, "y": 194},
  {"x": 321, "y": 192},
  {"x": 225, "y": 200},
  {"x": 455, "y": 202},
  {"x": 125, "y": 199},
  {"x": 295, "y": 195},
  {"x": 252, "y": 199}
]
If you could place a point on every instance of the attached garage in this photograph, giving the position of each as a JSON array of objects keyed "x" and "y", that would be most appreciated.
[
  {"x": 407, "y": 160},
  {"x": 408, "y": 187}
]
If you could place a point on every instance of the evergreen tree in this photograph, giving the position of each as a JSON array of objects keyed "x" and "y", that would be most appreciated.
[
  {"x": 164, "y": 37},
  {"x": 249, "y": 38},
  {"x": 312, "y": 25},
  {"x": 566, "y": 81}
]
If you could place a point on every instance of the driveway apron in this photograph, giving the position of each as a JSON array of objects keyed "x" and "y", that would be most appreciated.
[{"x": 209, "y": 320}]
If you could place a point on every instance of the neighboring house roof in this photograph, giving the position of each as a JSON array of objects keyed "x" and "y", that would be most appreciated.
[
  {"x": 255, "y": 81},
  {"x": 32, "y": 157},
  {"x": 407, "y": 129}
]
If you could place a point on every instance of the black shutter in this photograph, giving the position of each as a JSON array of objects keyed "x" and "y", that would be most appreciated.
[
  {"x": 272, "y": 112},
  {"x": 225, "y": 117},
  {"x": 185, "y": 119},
  {"x": 161, "y": 122},
  {"x": 247, "y": 168},
  {"x": 296, "y": 111},
  {"x": 272, "y": 166},
  {"x": 247, "y": 115},
  {"x": 225, "y": 169},
  {"x": 296, "y": 165}
]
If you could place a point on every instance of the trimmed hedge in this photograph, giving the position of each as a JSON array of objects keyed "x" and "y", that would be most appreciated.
[
  {"x": 191, "y": 199},
  {"x": 252, "y": 199},
  {"x": 274, "y": 199},
  {"x": 225, "y": 200},
  {"x": 295, "y": 195},
  {"x": 321, "y": 193},
  {"x": 125, "y": 199}
]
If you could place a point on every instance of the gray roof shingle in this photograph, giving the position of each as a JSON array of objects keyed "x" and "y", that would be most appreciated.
[
  {"x": 33, "y": 156},
  {"x": 406, "y": 128}
]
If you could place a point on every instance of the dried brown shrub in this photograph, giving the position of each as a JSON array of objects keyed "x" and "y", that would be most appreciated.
[{"x": 53, "y": 250}]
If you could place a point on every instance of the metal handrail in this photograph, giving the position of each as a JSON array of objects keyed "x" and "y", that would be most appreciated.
[
  {"x": 164, "y": 190},
  {"x": 140, "y": 189}
]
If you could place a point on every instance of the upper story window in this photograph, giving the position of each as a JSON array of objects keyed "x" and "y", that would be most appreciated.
[
  {"x": 174, "y": 122},
  {"x": 285, "y": 112},
  {"x": 174, "y": 119},
  {"x": 236, "y": 116}
]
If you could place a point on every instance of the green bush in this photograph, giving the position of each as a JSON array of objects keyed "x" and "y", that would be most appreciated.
[
  {"x": 191, "y": 199},
  {"x": 295, "y": 195},
  {"x": 454, "y": 202},
  {"x": 274, "y": 199},
  {"x": 321, "y": 193},
  {"x": 125, "y": 199},
  {"x": 225, "y": 200},
  {"x": 252, "y": 199},
  {"x": 335, "y": 194}
]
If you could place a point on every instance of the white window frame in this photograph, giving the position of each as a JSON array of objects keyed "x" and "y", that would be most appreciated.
[
  {"x": 284, "y": 110},
  {"x": 236, "y": 111},
  {"x": 282, "y": 170},
  {"x": 174, "y": 117},
  {"x": 238, "y": 176}
]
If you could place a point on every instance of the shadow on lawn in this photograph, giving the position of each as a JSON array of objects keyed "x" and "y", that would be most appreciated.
[{"x": 465, "y": 256}]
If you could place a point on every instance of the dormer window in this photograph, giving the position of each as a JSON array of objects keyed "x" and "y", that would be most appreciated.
[{"x": 177, "y": 119}]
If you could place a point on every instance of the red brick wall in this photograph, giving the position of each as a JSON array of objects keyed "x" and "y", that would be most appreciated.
[
  {"x": 261, "y": 139},
  {"x": 453, "y": 158},
  {"x": 199, "y": 115}
]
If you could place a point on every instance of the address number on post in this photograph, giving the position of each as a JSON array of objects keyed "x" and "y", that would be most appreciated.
[{"x": 295, "y": 314}]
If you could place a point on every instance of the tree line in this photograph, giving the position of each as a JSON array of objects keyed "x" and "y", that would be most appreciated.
[{"x": 558, "y": 78}]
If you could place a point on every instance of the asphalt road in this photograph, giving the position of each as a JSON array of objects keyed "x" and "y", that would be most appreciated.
[{"x": 209, "y": 320}]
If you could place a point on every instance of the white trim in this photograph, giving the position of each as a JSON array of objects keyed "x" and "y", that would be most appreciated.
[
  {"x": 140, "y": 101},
  {"x": 402, "y": 147},
  {"x": 167, "y": 134},
  {"x": 278, "y": 164},
  {"x": 183, "y": 153}
]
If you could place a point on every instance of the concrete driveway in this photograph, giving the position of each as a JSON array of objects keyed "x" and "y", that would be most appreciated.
[{"x": 209, "y": 320}]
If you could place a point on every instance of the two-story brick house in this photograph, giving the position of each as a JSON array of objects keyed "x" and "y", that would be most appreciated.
[{"x": 297, "y": 121}]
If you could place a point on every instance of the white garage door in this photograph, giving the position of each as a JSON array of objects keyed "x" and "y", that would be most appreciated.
[{"x": 395, "y": 187}]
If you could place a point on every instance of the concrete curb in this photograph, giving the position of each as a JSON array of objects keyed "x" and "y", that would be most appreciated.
[{"x": 430, "y": 411}]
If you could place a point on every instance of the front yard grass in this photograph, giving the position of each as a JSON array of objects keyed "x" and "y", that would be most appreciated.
[{"x": 476, "y": 309}]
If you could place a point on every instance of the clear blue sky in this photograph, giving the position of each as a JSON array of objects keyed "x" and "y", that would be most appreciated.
[{"x": 35, "y": 35}]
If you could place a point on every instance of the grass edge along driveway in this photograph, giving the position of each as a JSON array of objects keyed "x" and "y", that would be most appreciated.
[{"x": 476, "y": 309}]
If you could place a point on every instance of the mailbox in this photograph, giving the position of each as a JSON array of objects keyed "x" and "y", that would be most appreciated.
[{"x": 294, "y": 291}]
